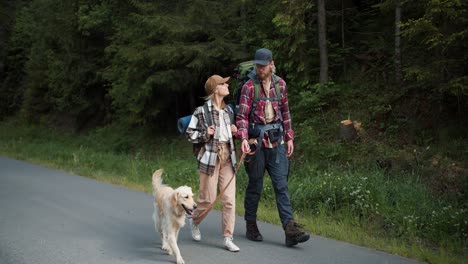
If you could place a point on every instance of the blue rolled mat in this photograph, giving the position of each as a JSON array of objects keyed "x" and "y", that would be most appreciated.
[{"x": 183, "y": 123}]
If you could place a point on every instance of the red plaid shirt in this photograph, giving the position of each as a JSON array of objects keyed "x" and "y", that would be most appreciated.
[{"x": 245, "y": 105}]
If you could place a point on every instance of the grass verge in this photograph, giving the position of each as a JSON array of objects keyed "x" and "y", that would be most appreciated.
[{"x": 96, "y": 156}]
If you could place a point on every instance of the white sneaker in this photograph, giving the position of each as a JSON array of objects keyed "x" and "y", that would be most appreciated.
[
  {"x": 196, "y": 234},
  {"x": 229, "y": 245}
]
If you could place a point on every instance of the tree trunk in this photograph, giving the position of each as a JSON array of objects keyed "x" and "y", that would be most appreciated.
[
  {"x": 342, "y": 34},
  {"x": 398, "y": 72},
  {"x": 243, "y": 12},
  {"x": 322, "y": 42},
  {"x": 347, "y": 130}
]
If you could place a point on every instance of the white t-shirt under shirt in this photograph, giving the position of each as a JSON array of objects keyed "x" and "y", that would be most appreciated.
[
  {"x": 222, "y": 132},
  {"x": 269, "y": 111}
]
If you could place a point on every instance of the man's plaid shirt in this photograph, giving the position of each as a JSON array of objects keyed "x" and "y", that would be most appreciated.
[
  {"x": 197, "y": 133},
  {"x": 245, "y": 104}
]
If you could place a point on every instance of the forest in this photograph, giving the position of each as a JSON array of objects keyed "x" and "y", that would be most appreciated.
[{"x": 396, "y": 69}]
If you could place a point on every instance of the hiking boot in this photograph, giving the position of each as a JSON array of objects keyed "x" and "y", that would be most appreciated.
[
  {"x": 252, "y": 232},
  {"x": 196, "y": 234},
  {"x": 229, "y": 245},
  {"x": 295, "y": 234}
]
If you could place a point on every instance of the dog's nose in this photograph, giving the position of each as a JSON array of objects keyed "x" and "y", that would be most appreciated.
[{"x": 195, "y": 206}]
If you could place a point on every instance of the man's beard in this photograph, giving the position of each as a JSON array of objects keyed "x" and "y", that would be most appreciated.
[{"x": 263, "y": 76}]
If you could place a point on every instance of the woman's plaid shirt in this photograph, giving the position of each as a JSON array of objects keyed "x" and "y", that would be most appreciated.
[{"x": 197, "y": 133}]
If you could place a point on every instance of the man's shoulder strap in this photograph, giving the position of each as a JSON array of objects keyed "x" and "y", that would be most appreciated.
[
  {"x": 257, "y": 88},
  {"x": 277, "y": 87}
]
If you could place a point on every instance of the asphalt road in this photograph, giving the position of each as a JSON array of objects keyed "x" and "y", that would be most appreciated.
[{"x": 51, "y": 217}]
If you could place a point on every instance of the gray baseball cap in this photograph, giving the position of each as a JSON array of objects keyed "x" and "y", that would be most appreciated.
[{"x": 263, "y": 56}]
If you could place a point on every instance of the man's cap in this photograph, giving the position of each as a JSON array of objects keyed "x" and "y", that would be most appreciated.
[
  {"x": 263, "y": 56},
  {"x": 212, "y": 82}
]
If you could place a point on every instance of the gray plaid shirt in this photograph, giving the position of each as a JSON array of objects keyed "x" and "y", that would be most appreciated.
[{"x": 197, "y": 133}]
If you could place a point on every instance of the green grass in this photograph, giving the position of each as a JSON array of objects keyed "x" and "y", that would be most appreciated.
[{"x": 320, "y": 199}]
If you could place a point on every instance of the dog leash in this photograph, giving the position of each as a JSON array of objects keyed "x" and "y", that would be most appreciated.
[{"x": 203, "y": 214}]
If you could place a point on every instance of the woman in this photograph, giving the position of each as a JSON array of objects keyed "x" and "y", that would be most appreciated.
[{"x": 211, "y": 124}]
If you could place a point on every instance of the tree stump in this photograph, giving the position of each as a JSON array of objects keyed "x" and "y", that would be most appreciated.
[{"x": 347, "y": 130}]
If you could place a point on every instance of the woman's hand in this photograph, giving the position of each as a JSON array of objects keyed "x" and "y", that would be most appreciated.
[
  {"x": 210, "y": 131},
  {"x": 233, "y": 129}
]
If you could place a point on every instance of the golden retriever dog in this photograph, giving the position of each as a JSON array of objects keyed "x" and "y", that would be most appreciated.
[{"x": 170, "y": 207}]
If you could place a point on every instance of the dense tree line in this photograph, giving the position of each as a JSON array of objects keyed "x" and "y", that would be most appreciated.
[{"x": 87, "y": 63}]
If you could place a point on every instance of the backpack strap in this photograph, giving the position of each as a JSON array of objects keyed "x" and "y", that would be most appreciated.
[
  {"x": 207, "y": 115},
  {"x": 196, "y": 147},
  {"x": 257, "y": 97},
  {"x": 277, "y": 89},
  {"x": 231, "y": 114},
  {"x": 278, "y": 95}
]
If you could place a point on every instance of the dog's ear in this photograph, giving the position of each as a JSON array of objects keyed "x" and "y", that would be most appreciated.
[{"x": 175, "y": 197}]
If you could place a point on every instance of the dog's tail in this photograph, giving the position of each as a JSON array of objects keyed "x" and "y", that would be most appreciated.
[{"x": 157, "y": 181}]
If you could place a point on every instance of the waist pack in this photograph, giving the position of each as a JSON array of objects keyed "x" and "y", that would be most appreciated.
[
  {"x": 273, "y": 130},
  {"x": 274, "y": 135}
]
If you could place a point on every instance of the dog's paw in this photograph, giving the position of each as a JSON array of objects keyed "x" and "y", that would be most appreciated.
[
  {"x": 180, "y": 260},
  {"x": 167, "y": 249}
]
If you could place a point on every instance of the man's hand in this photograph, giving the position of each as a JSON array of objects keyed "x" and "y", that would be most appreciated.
[{"x": 290, "y": 148}]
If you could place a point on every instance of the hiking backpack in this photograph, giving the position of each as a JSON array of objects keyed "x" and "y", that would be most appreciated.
[{"x": 243, "y": 72}]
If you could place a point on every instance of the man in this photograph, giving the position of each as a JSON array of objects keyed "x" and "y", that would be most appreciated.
[{"x": 263, "y": 118}]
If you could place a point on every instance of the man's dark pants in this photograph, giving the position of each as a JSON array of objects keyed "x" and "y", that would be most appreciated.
[{"x": 265, "y": 158}]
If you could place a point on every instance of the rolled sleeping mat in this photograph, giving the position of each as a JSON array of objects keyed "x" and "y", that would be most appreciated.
[{"x": 183, "y": 123}]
